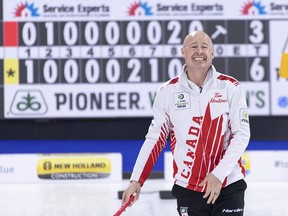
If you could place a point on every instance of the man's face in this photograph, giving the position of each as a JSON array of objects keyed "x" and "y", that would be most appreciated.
[{"x": 198, "y": 51}]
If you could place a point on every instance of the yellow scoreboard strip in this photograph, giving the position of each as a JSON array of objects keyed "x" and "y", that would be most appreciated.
[{"x": 11, "y": 71}]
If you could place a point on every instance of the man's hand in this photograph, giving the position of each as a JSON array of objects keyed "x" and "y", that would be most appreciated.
[
  {"x": 133, "y": 188},
  {"x": 213, "y": 187}
]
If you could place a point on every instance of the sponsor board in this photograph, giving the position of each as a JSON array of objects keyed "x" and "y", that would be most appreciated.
[
  {"x": 74, "y": 168},
  {"x": 257, "y": 97},
  {"x": 32, "y": 168},
  {"x": 83, "y": 9},
  {"x": 106, "y": 100},
  {"x": 80, "y": 101},
  {"x": 260, "y": 166},
  {"x": 268, "y": 166},
  {"x": 279, "y": 63}
]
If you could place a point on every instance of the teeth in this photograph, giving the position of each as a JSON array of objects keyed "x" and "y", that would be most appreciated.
[{"x": 199, "y": 59}]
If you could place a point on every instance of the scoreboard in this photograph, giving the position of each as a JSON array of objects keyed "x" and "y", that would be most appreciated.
[{"x": 93, "y": 59}]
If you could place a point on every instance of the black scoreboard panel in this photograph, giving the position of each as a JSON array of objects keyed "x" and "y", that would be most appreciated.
[
  {"x": 118, "y": 52},
  {"x": 132, "y": 51}
]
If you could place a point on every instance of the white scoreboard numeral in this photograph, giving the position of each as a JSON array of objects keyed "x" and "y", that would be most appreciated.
[
  {"x": 174, "y": 68},
  {"x": 71, "y": 71},
  {"x": 258, "y": 35},
  {"x": 196, "y": 26},
  {"x": 174, "y": 51},
  {"x": 175, "y": 27},
  {"x": 70, "y": 33},
  {"x": 50, "y": 33},
  {"x": 91, "y": 33},
  {"x": 154, "y": 32},
  {"x": 30, "y": 71},
  {"x": 133, "y": 32},
  {"x": 257, "y": 71},
  {"x": 135, "y": 65},
  {"x": 111, "y": 51},
  {"x": 154, "y": 70},
  {"x": 29, "y": 34},
  {"x": 113, "y": 71},
  {"x": 112, "y": 33},
  {"x": 153, "y": 49},
  {"x": 92, "y": 71},
  {"x": 50, "y": 71},
  {"x": 48, "y": 52},
  {"x": 132, "y": 51}
]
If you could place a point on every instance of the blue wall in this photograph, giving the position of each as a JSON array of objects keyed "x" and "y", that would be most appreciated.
[{"x": 128, "y": 148}]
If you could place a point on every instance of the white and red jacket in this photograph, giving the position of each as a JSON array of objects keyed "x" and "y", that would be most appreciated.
[{"x": 208, "y": 127}]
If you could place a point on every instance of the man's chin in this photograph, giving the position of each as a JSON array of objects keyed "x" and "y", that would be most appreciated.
[{"x": 203, "y": 66}]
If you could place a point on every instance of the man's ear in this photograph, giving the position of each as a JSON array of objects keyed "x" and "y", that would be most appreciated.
[{"x": 182, "y": 51}]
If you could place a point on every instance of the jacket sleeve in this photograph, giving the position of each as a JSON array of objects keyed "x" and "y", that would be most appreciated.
[
  {"x": 155, "y": 141},
  {"x": 240, "y": 133}
]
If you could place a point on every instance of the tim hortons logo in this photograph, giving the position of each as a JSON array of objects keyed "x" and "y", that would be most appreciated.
[{"x": 218, "y": 98}]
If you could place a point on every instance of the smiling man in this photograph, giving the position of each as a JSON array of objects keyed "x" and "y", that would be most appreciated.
[
  {"x": 205, "y": 113},
  {"x": 197, "y": 51}
]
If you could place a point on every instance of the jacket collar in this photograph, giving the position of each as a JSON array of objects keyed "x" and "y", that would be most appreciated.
[{"x": 189, "y": 84}]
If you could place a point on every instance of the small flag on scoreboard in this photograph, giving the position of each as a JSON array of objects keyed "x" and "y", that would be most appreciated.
[
  {"x": 11, "y": 71},
  {"x": 10, "y": 34}
]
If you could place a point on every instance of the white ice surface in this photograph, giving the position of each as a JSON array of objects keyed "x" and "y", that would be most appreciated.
[{"x": 262, "y": 199}]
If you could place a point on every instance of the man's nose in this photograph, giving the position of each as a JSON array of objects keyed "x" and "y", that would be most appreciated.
[{"x": 199, "y": 50}]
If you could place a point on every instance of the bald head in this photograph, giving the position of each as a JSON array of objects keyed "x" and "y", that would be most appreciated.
[
  {"x": 197, "y": 35},
  {"x": 198, "y": 51}
]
